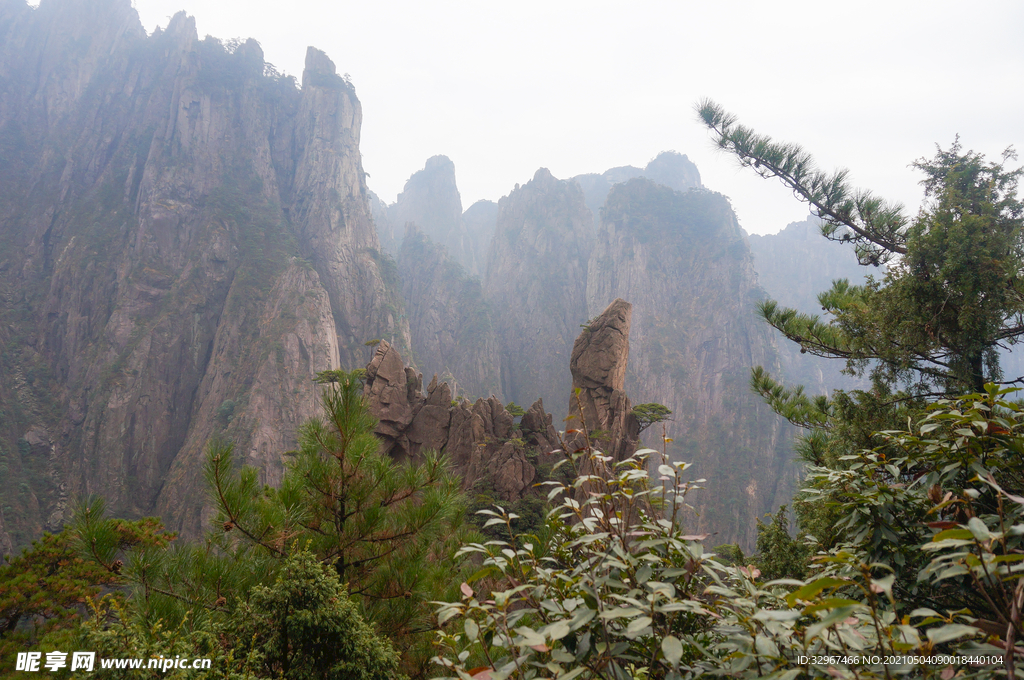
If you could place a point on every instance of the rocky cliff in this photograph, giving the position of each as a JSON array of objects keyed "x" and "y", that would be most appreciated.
[
  {"x": 493, "y": 454},
  {"x": 453, "y": 335},
  {"x": 794, "y": 266},
  {"x": 431, "y": 202},
  {"x": 387, "y": 233},
  {"x": 536, "y": 286},
  {"x": 189, "y": 242},
  {"x": 784, "y": 264},
  {"x": 669, "y": 169},
  {"x": 681, "y": 260},
  {"x": 598, "y": 366},
  {"x": 479, "y": 222}
]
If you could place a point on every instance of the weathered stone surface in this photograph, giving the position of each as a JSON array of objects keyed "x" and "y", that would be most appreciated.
[
  {"x": 392, "y": 396},
  {"x": 194, "y": 242},
  {"x": 478, "y": 438},
  {"x": 598, "y": 366},
  {"x": 388, "y": 234},
  {"x": 681, "y": 260},
  {"x": 781, "y": 263},
  {"x": 479, "y": 222},
  {"x": 450, "y": 322},
  {"x": 538, "y": 430},
  {"x": 6, "y": 545},
  {"x": 536, "y": 283},
  {"x": 513, "y": 473},
  {"x": 430, "y": 200},
  {"x": 669, "y": 169},
  {"x": 429, "y": 427}
]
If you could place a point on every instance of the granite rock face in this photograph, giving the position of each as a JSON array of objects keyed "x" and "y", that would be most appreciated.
[
  {"x": 431, "y": 202},
  {"x": 479, "y": 222},
  {"x": 781, "y": 261},
  {"x": 538, "y": 428},
  {"x": 536, "y": 286},
  {"x": 439, "y": 262},
  {"x": 388, "y": 235},
  {"x": 682, "y": 261},
  {"x": 481, "y": 439},
  {"x": 669, "y": 169},
  {"x": 187, "y": 242},
  {"x": 450, "y": 321},
  {"x": 598, "y": 366}
]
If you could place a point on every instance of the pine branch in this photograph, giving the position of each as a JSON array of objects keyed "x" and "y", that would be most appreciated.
[
  {"x": 875, "y": 227},
  {"x": 792, "y": 404}
]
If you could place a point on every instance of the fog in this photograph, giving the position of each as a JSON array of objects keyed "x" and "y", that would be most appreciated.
[{"x": 505, "y": 88}]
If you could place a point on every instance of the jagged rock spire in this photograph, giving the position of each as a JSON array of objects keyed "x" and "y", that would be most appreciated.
[{"x": 598, "y": 366}]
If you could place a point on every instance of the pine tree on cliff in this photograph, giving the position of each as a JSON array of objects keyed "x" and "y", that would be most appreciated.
[
  {"x": 931, "y": 325},
  {"x": 953, "y": 294}
]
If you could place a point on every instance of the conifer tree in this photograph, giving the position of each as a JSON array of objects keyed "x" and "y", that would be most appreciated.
[
  {"x": 388, "y": 529},
  {"x": 953, "y": 293},
  {"x": 929, "y": 327}
]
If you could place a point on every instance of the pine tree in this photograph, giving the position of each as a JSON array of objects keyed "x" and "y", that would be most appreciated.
[
  {"x": 953, "y": 293},
  {"x": 929, "y": 327},
  {"x": 304, "y": 626},
  {"x": 389, "y": 530}
]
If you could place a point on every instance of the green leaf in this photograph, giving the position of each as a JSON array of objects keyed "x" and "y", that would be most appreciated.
[
  {"x": 951, "y": 631},
  {"x": 777, "y": 615},
  {"x": 959, "y": 534},
  {"x": 472, "y": 629},
  {"x": 530, "y": 636},
  {"x": 557, "y": 630},
  {"x": 672, "y": 648},
  {"x": 813, "y": 588},
  {"x": 978, "y": 529},
  {"x": 637, "y": 625},
  {"x": 884, "y": 584},
  {"x": 830, "y": 603}
]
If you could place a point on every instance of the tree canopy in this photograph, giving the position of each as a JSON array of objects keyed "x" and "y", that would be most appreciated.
[{"x": 953, "y": 293}]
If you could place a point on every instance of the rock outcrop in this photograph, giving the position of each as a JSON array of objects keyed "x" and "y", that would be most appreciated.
[
  {"x": 484, "y": 444},
  {"x": 479, "y": 222},
  {"x": 783, "y": 270},
  {"x": 669, "y": 169},
  {"x": 536, "y": 285},
  {"x": 187, "y": 241},
  {"x": 388, "y": 235},
  {"x": 598, "y": 365}
]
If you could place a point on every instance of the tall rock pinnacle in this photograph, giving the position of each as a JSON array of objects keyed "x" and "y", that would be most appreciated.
[{"x": 598, "y": 366}]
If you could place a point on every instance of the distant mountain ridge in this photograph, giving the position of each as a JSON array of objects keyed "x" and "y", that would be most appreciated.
[
  {"x": 191, "y": 240},
  {"x": 675, "y": 252}
]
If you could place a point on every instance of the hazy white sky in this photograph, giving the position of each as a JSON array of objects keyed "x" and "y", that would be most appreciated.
[{"x": 505, "y": 88}]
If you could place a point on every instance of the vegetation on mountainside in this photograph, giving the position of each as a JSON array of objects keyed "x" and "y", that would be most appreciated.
[
  {"x": 386, "y": 534},
  {"x": 618, "y": 591},
  {"x": 43, "y": 591},
  {"x": 388, "y": 530},
  {"x": 911, "y": 519},
  {"x": 450, "y": 319},
  {"x": 650, "y": 414},
  {"x": 953, "y": 293}
]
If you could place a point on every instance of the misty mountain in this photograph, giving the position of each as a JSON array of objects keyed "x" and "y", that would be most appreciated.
[
  {"x": 188, "y": 240},
  {"x": 794, "y": 266},
  {"x": 192, "y": 240}
]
